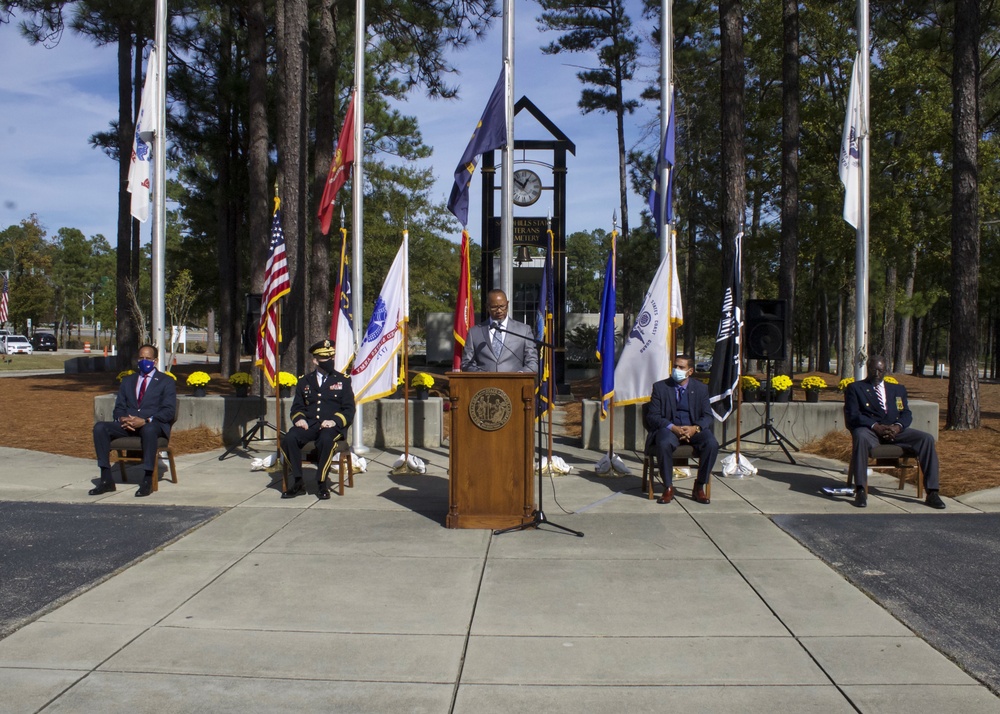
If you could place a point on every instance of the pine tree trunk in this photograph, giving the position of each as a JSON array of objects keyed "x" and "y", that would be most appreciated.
[
  {"x": 790, "y": 172},
  {"x": 733, "y": 156},
  {"x": 963, "y": 385}
]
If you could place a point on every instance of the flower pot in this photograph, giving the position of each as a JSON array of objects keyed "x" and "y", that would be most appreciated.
[
  {"x": 785, "y": 395},
  {"x": 812, "y": 395},
  {"x": 422, "y": 394},
  {"x": 242, "y": 390},
  {"x": 749, "y": 395},
  {"x": 284, "y": 392},
  {"x": 199, "y": 392}
]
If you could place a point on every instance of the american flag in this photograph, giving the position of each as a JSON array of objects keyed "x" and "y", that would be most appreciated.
[
  {"x": 276, "y": 285},
  {"x": 3, "y": 301}
]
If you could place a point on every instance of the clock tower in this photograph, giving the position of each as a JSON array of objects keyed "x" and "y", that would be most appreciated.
[{"x": 540, "y": 186}]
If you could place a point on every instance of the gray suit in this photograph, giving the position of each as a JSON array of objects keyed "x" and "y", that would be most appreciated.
[{"x": 518, "y": 353}]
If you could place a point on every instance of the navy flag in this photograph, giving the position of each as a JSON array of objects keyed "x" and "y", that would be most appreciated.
[
  {"x": 490, "y": 134},
  {"x": 606, "y": 331},
  {"x": 665, "y": 158},
  {"x": 543, "y": 330}
]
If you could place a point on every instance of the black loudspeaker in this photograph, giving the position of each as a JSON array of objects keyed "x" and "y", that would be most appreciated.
[
  {"x": 251, "y": 322},
  {"x": 765, "y": 329}
]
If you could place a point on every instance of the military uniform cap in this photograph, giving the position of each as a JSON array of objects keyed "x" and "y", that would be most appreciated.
[{"x": 323, "y": 349}]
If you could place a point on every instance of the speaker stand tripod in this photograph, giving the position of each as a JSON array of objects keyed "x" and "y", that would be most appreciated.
[
  {"x": 768, "y": 426},
  {"x": 256, "y": 432}
]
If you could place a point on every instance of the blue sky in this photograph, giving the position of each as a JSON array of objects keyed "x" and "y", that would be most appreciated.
[{"x": 54, "y": 99}]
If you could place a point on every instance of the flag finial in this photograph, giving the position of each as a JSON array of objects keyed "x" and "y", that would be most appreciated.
[
  {"x": 614, "y": 220},
  {"x": 341, "y": 215}
]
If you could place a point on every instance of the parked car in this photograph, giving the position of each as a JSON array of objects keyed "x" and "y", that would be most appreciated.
[
  {"x": 43, "y": 342},
  {"x": 16, "y": 344},
  {"x": 703, "y": 366}
]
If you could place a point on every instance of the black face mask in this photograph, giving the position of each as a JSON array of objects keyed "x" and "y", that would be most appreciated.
[{"x": 326, "y": 366}]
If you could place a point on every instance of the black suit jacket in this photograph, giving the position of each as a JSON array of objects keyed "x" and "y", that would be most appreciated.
[
  {"x": 158, "y": 403},
  {"x": 861, "y": 407},
  {"x": 663, "y": 406}
]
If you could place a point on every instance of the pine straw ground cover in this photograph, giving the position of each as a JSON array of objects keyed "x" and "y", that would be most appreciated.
[
  {"x": 54, "y": 413},
  {"x": 968, "y": 458}
]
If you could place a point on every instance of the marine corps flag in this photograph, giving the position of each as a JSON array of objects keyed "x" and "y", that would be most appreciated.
[
  {"x": 724, "y": 379},
  {"x": 463, "y": 305},
  {"x": 340, "y": 167}
]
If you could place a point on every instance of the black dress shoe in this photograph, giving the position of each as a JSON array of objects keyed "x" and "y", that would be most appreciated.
[
  {"x": 144, "y": 490},
  {"x": 934, "y": 500},
  {"x": 294, "y": 491},
  {"x": 667, "y": 496},
  {"x": 323, "y": 493},
  {"x": 100, "y": 488},
  {"x": 860, "y": 498}
]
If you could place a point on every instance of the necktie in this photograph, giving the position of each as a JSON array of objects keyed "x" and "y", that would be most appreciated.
[
  {"x": 142, "y": 388},
  {"x": 880, "y": 391},
  {"x": 497, "y": 340}
]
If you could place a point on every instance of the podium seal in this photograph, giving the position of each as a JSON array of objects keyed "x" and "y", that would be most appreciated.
[{"x": 490, "y": 408}]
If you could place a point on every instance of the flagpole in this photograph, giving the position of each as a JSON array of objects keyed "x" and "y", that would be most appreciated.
[
  {"x": 666, "y": 96},
  {"x": 159, "y": 243},
  {"x": 357, "y": 202},
  {"x": 506, "y": 194},
  {"x": 861, "y": 249},
  {"x": 277, "y": 392}
]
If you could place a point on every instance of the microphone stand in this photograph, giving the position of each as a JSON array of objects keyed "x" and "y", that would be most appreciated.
[
  {"x": 256, "y": 432},
  {"x": 538, "y": 516}
]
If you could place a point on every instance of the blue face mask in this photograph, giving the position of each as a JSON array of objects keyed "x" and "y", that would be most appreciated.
[
  {"x": 679, "y": 374},
  {"x": 146, "y": 366}
]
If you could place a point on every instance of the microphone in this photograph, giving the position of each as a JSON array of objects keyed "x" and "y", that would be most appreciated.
[{"x": 522, "y": 358}]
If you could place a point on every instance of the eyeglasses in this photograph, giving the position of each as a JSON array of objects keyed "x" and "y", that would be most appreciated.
[{"x": 498, "y": 307}]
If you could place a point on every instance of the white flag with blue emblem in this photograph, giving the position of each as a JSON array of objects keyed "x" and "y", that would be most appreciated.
[
  {"x": 644, "y": 358},
  {"x": 850, "y": 156},
  {"x": 139, "y": 173},
  {"x": 376, "y": 371}
]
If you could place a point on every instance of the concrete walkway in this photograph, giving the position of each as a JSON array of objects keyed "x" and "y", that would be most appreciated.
[{"x": 367, "y": 603}]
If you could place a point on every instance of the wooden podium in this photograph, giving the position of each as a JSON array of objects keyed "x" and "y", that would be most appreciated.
[{"x": 490, "y": 468}]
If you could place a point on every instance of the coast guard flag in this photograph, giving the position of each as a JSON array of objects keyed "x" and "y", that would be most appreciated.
[
  {"x": 142, "y": 148},
  {"x": 343, "y": 159},
  {"x": 724, "y": 379},
  {"x": 645, "y": 358},
  {"x": 666, "y": 158},
  {"x": 375, "y": 373},
  {"x": 490, "y": 134},
  {"x": 850, "y": 157},
  {"x": 606, "y": 332}
]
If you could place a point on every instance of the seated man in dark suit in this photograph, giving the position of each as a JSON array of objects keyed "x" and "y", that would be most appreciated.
[
  {"x": 145, "y": 407},
  {"x": 322, "y": 410},
  {"x": 507, "y": 349},
  {"x": 679, "y": 413},
  {"x": 877, "y": 412}
]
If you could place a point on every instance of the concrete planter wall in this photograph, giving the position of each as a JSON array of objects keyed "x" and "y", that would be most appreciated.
[
  {"x": 800, "y": 422},
  {"x": 232, "y": 416}
]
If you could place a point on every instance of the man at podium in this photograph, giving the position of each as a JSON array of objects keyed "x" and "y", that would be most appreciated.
[{"x": 502, "y": 344}]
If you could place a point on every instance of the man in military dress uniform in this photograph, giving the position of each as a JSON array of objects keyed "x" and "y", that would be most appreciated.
[{"x": 322, "y": 411}]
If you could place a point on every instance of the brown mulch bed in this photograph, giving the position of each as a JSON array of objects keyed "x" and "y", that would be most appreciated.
[
  {"x": 53, "y": 413},
  {"x": 968, "y": 458}
]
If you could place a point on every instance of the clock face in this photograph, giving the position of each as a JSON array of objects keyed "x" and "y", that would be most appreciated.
[{"x": 527, "y": 187}]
